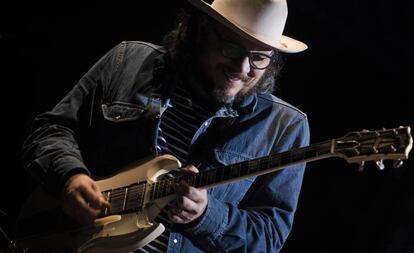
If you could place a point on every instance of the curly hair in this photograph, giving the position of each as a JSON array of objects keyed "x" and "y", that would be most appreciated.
[{"x": 182, "y": 43}]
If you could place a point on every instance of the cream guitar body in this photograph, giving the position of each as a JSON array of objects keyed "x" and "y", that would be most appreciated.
[{"x": 123, "y": 232}]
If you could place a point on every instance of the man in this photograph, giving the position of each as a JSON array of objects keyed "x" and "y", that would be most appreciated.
[{"x": 205, "y": 97}]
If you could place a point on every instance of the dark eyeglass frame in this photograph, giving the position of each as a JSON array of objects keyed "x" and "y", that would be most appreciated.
[{"x": 233, "y": 51}]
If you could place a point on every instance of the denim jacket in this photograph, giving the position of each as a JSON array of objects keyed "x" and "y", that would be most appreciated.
[{"x": 109, "y": 120}]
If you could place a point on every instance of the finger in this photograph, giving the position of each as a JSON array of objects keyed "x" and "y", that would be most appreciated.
[
  {"x": 189, "y": 169},
  {"x": 189, "y": 206},
  {"x": 84, "y": 204},
  {"x": 196, "y": 195},
  {"x": 181, "y": 201},
  {"x": 76, "y": 207},
  {"x": 177, "y": 215},
  {"x": 94, "y": 199},
  {"x": 103, "y": 201},
  {"x": 87, "y": 213}
]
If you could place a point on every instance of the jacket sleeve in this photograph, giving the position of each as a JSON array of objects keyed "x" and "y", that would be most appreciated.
[
  {"x": 264, "y": 218},
  {"x": 51, "y": 151}
]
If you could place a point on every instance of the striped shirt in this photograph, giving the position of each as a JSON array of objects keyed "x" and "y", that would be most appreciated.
[{"x": 178, "y": 125}]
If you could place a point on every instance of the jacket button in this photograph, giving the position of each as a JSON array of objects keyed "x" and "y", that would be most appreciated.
[{"x": 175, "y": 241}]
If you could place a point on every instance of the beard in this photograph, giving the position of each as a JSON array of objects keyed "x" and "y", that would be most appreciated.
[
  {"x": 214, "y": 93},
  {"x": 221, "y": 96},
  {"x": 219, "y": 89}
]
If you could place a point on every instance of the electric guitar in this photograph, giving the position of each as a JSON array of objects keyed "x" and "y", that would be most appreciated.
[{"x": 136, "y": 196}]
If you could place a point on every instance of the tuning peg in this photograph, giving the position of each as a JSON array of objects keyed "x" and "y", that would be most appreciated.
[
  {"x": 398, "y": 163},
  {"x": 361, "y": 166},
  {"x": 380, "y": 164}
]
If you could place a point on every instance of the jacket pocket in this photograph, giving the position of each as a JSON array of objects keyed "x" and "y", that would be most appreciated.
[
  {"x": 120, "y": 136},
  {"x": 121, "y": 111},
  {"x": 235, "y": 191}
]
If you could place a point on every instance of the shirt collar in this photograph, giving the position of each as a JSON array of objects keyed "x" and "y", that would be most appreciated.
[{"x": 247, "y": 105}]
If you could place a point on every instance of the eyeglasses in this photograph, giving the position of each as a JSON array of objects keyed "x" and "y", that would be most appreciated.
[{"x": 256, "y": 60}]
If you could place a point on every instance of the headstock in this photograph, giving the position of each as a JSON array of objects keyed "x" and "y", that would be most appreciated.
[{"x": 386, "y": 144}]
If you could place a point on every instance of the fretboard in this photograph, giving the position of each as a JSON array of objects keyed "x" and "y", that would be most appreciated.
[
  {"x": 131, "y": 198},
  {"x": 234, "y": 172}
]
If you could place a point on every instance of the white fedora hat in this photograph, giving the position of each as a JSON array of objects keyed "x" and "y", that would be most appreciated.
[{"x": 260, "y": 20}]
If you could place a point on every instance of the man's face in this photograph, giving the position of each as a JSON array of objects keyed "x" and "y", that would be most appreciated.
[{"x": 227, "y": 74}]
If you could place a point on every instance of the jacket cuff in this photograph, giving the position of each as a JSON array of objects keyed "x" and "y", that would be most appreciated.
[
  {"x": 66, "y": 167},
  {"x": 213, "y": 221}
]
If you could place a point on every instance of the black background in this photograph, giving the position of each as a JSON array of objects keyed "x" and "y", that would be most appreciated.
[{"x": 355, "y": 75}]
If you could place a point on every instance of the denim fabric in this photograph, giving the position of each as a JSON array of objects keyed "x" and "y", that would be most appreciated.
[{"x": 109, "y": 120}]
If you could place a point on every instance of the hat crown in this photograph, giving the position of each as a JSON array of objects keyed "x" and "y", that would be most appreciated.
[
  {"x": 261, "y": 21},
  {"x": 264, "y": 18}
]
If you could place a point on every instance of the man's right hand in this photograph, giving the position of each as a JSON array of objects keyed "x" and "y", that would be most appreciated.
[{"x": 82, "y": 199}]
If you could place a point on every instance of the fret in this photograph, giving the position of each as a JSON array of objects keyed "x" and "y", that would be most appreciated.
[
  {"x": 274, "y": 160},
  {"x": 264, "y": 163},
  {"x": 125, "y": 198},
  {"x": 201, "y": 179},
  {"x": 172, "y": 183},
  {"x": 160, "y": 188},
  {"x": 108, "y": 198},
  {"x": 141, "y": 195},
  {"x": 211, "y": 176},
  {"x": 313, "y": 153},
  {"x": 155, "y": 190},
  {"x": 226, "y": 173},
  {"x": 164, "y": 188},
  {"x": 233, "y": 170},
  {"x": 131, "y": 200},
  {"x": 113, "y": 203},
  {"x": 254, "y": 165},
  {"x": 191, "y": 180},
  {"x": 219, "y": 174},
  {"x": 117, "y": 200},
  {"x": 301, "y": 154},
  {"x": 197, "y": 180},
  {"x": 152, "y": 191},
  {"x": 243, "y": 170},
  {"x": 168, "y": 187},
  {"x": 285, "y": 158},
  {"x": 157, "y": 187}
]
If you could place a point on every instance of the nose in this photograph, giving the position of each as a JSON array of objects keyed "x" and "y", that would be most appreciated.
[{"x": 241, "y": 65}]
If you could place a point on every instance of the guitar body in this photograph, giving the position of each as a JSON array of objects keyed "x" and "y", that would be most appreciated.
[{"x": 42, "y": 224}]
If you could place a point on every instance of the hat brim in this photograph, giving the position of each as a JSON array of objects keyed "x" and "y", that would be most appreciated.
[{"x": 285, "y": 44}]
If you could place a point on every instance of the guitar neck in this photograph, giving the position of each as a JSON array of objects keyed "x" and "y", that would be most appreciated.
[
  {"x": 355, "y": 147},
  {"x": 259, "y": 166}
]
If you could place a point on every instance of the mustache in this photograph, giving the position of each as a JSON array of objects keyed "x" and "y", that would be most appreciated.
[{"x": 242, "y": 77}]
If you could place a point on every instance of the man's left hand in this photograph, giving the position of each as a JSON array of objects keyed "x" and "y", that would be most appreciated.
[{"x": 190, "y": 202}]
